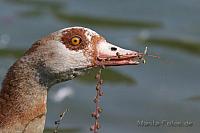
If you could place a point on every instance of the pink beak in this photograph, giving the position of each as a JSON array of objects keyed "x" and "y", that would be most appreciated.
[{"x": 111, "y": 55}]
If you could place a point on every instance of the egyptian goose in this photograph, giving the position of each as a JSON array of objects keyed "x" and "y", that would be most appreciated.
[{"x": 58, "y": 57}]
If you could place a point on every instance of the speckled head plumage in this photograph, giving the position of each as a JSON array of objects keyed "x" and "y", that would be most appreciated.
[
  {"x": 95, "y": 47},
  {"x": 60, "y": 55}
]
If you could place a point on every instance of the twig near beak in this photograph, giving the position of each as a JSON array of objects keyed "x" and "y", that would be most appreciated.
[
  {"x": 145, "y": 51},
  {"x": 118, "y": 55},
  {"x": 144, "y": 54}
]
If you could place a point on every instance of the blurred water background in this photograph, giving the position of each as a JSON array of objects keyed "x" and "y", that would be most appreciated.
[{"x": 163, "y": 89}]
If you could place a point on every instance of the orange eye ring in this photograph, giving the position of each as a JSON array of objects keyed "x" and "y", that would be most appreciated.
[{"x": 76, "y": 40}]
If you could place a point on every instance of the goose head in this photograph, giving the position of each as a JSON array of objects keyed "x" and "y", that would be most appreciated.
[{"x": 67, "y": 53}]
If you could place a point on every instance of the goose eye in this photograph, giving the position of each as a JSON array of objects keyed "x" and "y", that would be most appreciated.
[{"x": 75, "y": 40}]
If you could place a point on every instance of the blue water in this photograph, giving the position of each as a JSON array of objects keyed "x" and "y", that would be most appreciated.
[{"x": 163, "y": 85}]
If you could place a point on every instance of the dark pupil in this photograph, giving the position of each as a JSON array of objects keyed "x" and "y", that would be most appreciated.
[
  {"x": 75, "y": 40},
  {"x": 113, "y": 49}
]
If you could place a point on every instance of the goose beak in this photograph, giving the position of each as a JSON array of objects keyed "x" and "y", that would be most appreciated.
[{"x": 111, "y": 55}]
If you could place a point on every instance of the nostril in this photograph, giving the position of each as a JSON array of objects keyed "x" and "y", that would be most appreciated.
[{"x": 113, "y": 48}]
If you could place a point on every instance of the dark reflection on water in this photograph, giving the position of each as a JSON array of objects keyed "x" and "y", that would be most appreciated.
[
  {"x": 11, "y": 53},
  {"x": 105, "y": 22},
  {"x": 191, "y": 47},
  {"x": 109, "y": 76},
  {"x": 56, "y": 9},
  {"x": 38, "y": 3},
  {"x": 195, "y": 98},
  {"x": 51, "y": 130},
  {"x": 164, "y": 91}
]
